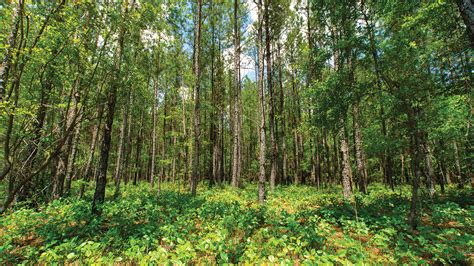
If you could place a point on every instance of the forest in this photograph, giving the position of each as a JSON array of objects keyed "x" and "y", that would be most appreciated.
[{"x": 236, "y": 132}]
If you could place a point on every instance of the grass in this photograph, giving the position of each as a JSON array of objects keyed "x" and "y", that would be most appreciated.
[{"x": 298, "y": 224}]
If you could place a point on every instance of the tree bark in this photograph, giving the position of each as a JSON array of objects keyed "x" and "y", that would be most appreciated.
[
  {"x": 261, "y": 105},
  {"x": 236, "y": 145},
  {"x": 120, "y": 148},
  {"x": 153, "y": 136},
  {"x": 197, "y": 103},
  {"x": 274, "y": 147},
  {"x": 413, "y": 216},
  {"x": 429, "y": 173},
  {"x": 466, "y": 8},
  {"x": 101, "y": 180},
  {"x": 7, "y": 59},
  {"x": 346, "y": 164},
  {"x": 360, "y": 154},
  {"x": 281, "y": 115},
  {"x": 95, "y": 136},
  {"x": 457, "y": 160}
]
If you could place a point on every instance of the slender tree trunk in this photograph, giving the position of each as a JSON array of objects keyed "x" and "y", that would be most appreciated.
[
  {"x": 95, "y": 136},
  {"x": 327, "y": 153},
  {"x": 138, "y": 151},
  {"x": 153, "y": 136},
  {"x": 7, "y": 59},
  {"x": 413, "y": 216},
  {"x": 236, "y": 146},
  {"x": 164, "y": 138},
  {"x": 261, "y": 105},
  {"x": 101, "y": 180},
  {"x": 274, "y": 155},
  {"x": 70, "y": 168},
  {"x": 458, "y": 166},
  {"x": 387, "y": 163},
  {"x": 346, "y": 164},
  {"x": 282, "y": 118},
  {"x": 197, "y": 103},
  {"x": 360, "y": 155},
  {"x": 119, "y": 159},
  {"x": 430, "y": 174},
  {"x": 128, "y": 140}
]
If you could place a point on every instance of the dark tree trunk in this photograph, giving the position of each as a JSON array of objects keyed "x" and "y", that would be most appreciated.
[
  {"x": 101, "y": 179},
  {"x": 466, "y": 8}
]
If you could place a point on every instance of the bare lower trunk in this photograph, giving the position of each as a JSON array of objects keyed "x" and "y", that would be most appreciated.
[
  {"x": 416, "y": 152},
  {"x": 430, "y": 174},
  {"x": 138, "y": 151},
  {"x": 120, "y": 148},
  {"x": 70, "y": 169},
  {"x": 95, "y": 136},
  {"x": 458, "y": 165},
  {"x": 360, "y": 155},
  {"x": 346, "y": 164},
  {"x": 153, "y": 136}
]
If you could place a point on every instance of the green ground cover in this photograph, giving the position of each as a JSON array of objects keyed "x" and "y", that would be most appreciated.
[{"x": 221, "y": 225}]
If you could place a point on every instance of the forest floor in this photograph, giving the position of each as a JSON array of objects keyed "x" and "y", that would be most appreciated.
[{"x": 298, "y": 224}]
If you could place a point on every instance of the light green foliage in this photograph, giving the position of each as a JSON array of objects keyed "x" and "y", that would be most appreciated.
[{"x": 221, "y": 225}]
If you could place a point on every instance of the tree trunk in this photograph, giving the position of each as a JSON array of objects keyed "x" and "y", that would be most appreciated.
[
  {"x": 95, "y": 136},
  {"x": 281, "y": 115},
  {"x": 236, "y": 146},
  {"x": 466, "y": 8},
  {"x": 153, "y": 136},
  {"x": 274, "y": 155},
  {"x": 261, "y": 105},
  {"x": 101, "y": 180},
  {"x": 7, "y": 59},
  {"x": 138, "y": 151},
  {"x": 197, "y": 103},
  {"x": 458, "y": 166},
  {"x": 429, "y": 172},
  {"x": 128, "y": 143},
  {"x": 360, "y": 155},
  {"x": 70, "y": 168},
  {"x": 387, "y": 163},
  {"x": 120, "y": 148},
  {"x": 413, "y": 216},
  {"x": 346, "y": 164},
  {"x": 164, "y": 139}
]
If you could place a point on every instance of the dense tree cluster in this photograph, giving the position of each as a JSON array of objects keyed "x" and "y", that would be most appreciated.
[{"x": 282, "y": 92}]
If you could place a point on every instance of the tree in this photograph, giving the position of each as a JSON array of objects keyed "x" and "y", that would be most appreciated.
[
  {"x": 237, "y": 127},
  {"x": 197, "y": 103},
  {"x": 261, "y": 100},
  {"x": 101, "y": 179}
]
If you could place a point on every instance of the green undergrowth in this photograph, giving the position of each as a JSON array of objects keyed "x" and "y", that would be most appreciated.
[{"x": 297, "y": 224}]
